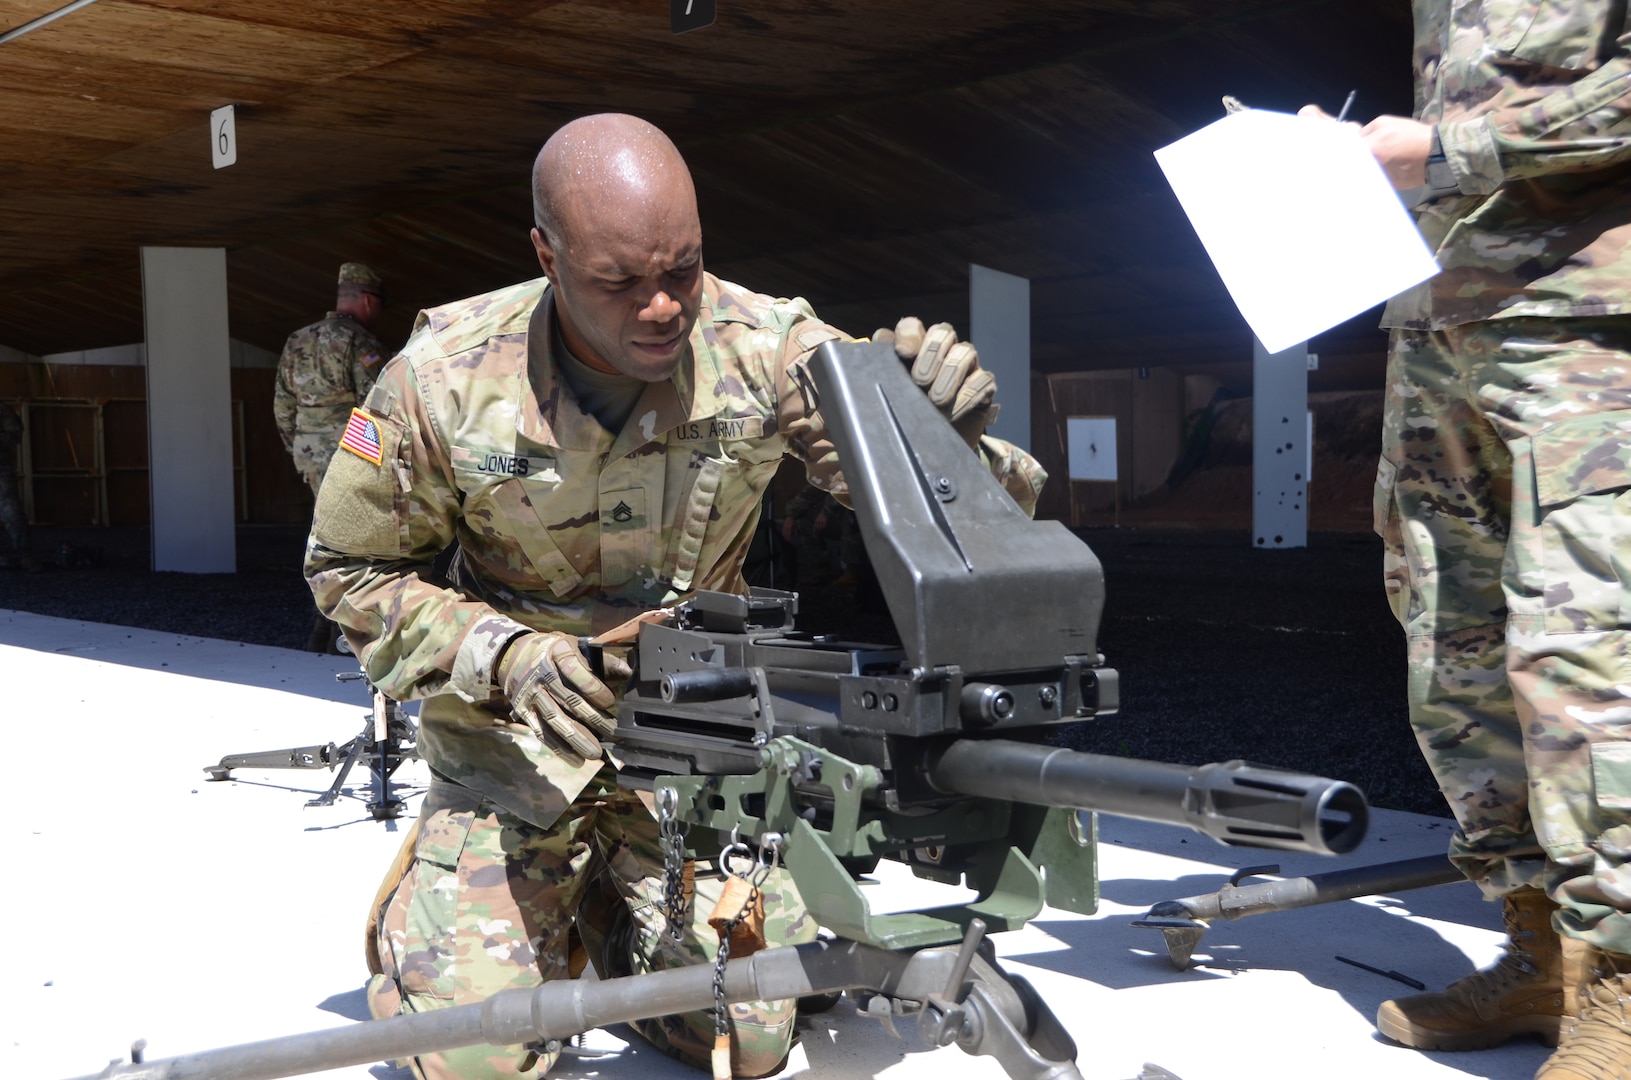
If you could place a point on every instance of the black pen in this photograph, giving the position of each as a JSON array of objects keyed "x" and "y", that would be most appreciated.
[
  {"x": 1394, "y": 975},
  {"x": 1346, "y": 105}
]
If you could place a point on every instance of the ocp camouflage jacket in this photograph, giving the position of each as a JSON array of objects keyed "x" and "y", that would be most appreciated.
[
  {"x": 561, "y": 524},
  {"x": 1531, "y": 102}
]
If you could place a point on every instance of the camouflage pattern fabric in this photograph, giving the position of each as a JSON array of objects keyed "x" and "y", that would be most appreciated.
[
  {"x": 326, "y": 369},
  {"x": 13, "y": 523},
  {"x": 822, "y": 554},
  {"x": 488, "y": 903},
  {"x": 1531, "y": 102},
  {"x": 561, "y": 524},
  {"x": 1503, "y": 503}
]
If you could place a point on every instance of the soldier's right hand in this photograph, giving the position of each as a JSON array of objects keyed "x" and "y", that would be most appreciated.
[
  {"x": 551, "y": 689},
  {"x": 949, "y": 372}
]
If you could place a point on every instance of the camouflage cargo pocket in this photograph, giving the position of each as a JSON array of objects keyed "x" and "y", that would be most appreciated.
[
  {"x": 1582, "y": 471},
  {"x": 1611, "y": 774},
  {"x": 1552, "y": 33},
  {"x": 426, "y": 940},
  {"x": 1384, "y": 515},
  {"x": 1395, "y": 562}
]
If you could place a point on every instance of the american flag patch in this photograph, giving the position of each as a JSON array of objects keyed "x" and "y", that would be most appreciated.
[
  {"x": 369, "y": 359},
  {"x": 362, "y": 437}
]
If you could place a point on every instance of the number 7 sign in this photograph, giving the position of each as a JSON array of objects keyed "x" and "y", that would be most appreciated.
[{"x": 686, "y": 15}]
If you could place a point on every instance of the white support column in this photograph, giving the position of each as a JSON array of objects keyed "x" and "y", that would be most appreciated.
[
  {"x": 999, "y": 325},
  {"x": 1279, "y": 447},
  {"x": 189, "y": 409}
]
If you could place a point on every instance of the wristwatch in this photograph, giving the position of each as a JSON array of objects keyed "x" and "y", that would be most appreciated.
[{"x": 1441, "y": 179}]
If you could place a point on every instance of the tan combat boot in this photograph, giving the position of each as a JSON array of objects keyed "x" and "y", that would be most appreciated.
[
  {"x": 1523, "y": 994},
  {"x": 1596, "y": 1044}
]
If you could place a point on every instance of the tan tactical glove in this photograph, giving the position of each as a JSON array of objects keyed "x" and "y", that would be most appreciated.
[
  {"x": 949, "y": 372},
  {"x": 551, "y": 690}
]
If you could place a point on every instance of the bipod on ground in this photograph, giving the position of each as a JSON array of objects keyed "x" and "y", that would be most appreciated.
[
  {"x": 1183, "y": 921},
  {"x": 387, "y": 740}
]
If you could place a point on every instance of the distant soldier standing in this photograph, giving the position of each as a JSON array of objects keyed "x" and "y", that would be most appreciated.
[
  {"x": 326, "y": 370},
  {"x": 12, "y": 521}
]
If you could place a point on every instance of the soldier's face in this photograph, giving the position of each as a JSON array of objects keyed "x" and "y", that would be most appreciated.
[{"x": 628, "y": 284}]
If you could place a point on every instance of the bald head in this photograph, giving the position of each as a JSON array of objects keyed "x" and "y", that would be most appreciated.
[
  {"x": 619, "y": 239},
  {"x": 609, "y": 163}
]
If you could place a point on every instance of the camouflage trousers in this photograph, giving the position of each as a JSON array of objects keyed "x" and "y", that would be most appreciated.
[
  {"x": 311, "y": 452},
  {"x": 13, "y": 525},
  {"x": 1502, "y": 500},
  {"x": 490, "y": 902}
]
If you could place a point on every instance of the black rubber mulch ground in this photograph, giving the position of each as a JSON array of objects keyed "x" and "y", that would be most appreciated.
[{"x": 1287, "y": 658}]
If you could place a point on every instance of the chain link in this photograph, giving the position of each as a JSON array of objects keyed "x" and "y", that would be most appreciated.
[
  {"x": 722, "y": 1018},
  {"x": 672, "y": 834},
  {"x": 755, "y": 878}
]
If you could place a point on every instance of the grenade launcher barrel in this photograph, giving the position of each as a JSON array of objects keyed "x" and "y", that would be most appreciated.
[{"x": 1232, "y": 802}]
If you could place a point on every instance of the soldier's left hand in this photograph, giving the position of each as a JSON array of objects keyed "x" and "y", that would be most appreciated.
[{"x": 949, "y": 372}]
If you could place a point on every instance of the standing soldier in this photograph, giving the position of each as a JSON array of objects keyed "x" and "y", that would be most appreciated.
[
  {"x": 326, "y": 370},
  {"x": 12, "y": 521},
  {"x": 1503, "y": 498}
]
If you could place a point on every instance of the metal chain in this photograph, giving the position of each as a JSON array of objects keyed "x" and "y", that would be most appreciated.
[
  {"x": 722, "y": 1020},
  {"x": 755, "y": 878},
  {"x": 672, "y": 834}
]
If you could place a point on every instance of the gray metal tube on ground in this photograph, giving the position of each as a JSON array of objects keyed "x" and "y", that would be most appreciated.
[
  {"x": 1233, "y": 802},
  {"x": 1238, "y": 901},
  {"x": 558, "y": 1010}
]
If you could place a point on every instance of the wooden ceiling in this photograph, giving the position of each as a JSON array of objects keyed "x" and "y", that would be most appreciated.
[{"x": 857, "y": 152}]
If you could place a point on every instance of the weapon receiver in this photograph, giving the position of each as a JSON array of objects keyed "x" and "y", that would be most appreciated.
[{"x": 932, "y": 751}]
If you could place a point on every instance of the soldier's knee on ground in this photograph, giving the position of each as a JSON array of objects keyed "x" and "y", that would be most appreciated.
[
  {"x": 385, "y": 1000},
  {"x": 762, "y": 1034}
]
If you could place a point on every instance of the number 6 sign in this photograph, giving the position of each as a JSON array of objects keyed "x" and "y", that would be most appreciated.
[{"x": 223, "y": 137}]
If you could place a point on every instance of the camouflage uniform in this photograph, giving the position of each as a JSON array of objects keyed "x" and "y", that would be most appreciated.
[
  {"x": 1502, "y": 491},
  {"x": 12, "y": 521},
  {"x": 562, "y": 526},
  {"x": 325, "y": 370},
  {"x": 820, "y": 557}
]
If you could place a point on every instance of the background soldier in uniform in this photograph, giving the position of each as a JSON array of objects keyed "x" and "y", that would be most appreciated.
[
  {"x": 12, "y": 521},
  {"x": 598, "y": 444},
  {"x": 825, "y": 540},
  {"x": 325, "y": 370},
  {"x": 1503, "y": 504}
]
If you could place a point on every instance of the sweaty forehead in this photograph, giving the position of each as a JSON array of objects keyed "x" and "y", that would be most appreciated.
[{"x": 633, "y": 225}]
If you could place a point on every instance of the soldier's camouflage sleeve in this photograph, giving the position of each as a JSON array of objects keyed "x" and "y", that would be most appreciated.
[
  {"x": 11, "y": 428},
  {"x": 1583, "y": 124},
  {"x": 367, "y": 361},
  {"x": 284, "y": 402},
  {"x": 804, "y": 502},
  {"x": 376, "y": 533},
  {"x": 1020, "y": 474}
]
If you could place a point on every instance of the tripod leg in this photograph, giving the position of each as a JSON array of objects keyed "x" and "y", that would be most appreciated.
[
  {"x": 296, "y": 757},
  {"x": 384, "y": 757},
  {"x": 352, "y": 750}
]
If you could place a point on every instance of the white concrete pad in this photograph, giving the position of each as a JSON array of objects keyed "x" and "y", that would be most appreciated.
[{"x": 147, "y": 902}]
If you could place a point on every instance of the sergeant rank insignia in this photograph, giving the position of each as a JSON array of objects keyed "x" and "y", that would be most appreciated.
[{"x": 361, "y": 437}]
